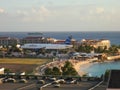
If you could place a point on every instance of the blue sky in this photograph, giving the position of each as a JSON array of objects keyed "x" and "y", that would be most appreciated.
[{"x": 59, "y": 15}]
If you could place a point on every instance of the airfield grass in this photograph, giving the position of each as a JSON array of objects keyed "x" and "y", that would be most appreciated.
[
  {"x": 22, "y": 64},
  {"x": 24, "y": 61}
]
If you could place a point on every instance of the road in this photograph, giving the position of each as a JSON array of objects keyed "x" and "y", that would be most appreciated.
[
  {"x": 80, "y": 86},
  {"x": 34, "y": 86}
]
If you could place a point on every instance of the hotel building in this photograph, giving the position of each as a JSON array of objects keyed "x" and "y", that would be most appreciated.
[
  {"x": 8, "y": 41},
  {"x": 36, "y": 40},
  {"x": 97, "y": 43}
]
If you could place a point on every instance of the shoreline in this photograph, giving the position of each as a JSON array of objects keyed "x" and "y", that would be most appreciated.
[{"x": 78, "y": 64}]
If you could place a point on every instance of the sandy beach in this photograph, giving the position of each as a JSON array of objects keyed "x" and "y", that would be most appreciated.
[{"x": 78, "y": 64}]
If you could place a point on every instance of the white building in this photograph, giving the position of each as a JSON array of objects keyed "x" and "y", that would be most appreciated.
[{"x": 46, "y": 46}]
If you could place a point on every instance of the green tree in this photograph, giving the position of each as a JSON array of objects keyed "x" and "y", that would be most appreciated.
[
  {"x": 99, "y": 50},
  {"x": 48, "y": 71},
  {"x": 7, "y": 70},
  {"x": 68, "y": 69},
  {"x": 85, "y": 48},
  {"x": 56, "y": 71},
  {"x": 67, "y": 64},
  {"x": 14, "y": 49},
  {"x": 113, "y": 50}
]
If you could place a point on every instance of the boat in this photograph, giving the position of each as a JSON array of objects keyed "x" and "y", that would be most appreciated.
[{"x": 35, "y": 33}]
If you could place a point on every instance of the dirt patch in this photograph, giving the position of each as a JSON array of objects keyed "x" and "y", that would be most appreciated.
[{"x": 19, "y": 67}]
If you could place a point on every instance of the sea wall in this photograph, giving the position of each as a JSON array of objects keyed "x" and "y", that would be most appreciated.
[{"x": 113, "y": 57}]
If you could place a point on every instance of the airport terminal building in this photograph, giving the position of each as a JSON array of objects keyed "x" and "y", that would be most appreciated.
[{"x": 46, "y": 46}]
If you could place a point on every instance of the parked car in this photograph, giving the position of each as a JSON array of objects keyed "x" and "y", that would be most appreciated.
[
  {"x": 62, "y": 81},
  {"x": 52, "y": 79},
  {"x": 55, "y": 82},
  {"x": 9, "y": 80},
  {"x": 57, "y": 85},
  {"x": 40, "y": 82},
  {"x": 23, "y": 81},
  {"x": 70, "y": 80}
]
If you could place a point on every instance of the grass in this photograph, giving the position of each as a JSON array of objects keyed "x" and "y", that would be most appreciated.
[{"x": 24, "y": 61}]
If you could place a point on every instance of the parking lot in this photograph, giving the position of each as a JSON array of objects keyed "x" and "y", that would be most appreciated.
[
  {"x": 80, "y": 86},
  {"x": 16, "y": 85},
  {"x": 12, "y": 86},
  {"x": 36, "y": 84}
]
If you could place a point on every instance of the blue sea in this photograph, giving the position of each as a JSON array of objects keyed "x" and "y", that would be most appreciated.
[
  {"x": 114, "y": 37},
  {"x": 97, "y": 69}
]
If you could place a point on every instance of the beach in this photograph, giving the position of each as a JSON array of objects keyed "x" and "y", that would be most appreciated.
[
  {"x": 77, "y": 64},
  {"x": 96, "y": 69}
]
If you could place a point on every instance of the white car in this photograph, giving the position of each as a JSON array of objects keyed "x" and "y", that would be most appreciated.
[
  {"x": 23, "y": 81},
  {"x": 71, "y": 82},
  {"x": 10, "y": 80},
  {"x": 52, "y": 79},
  {"x": 57, "y": 85},
  {"x": 40, "y": 82}
]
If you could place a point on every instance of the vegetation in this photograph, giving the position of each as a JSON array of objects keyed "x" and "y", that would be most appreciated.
[
  {"x": 53, "y": 71},
  {"x": 13, "y": 49},
  {"x": 113, "y": 50},
  {"x": 48, "y": 71},
  {"x": 56, "y": 71},
  {"x": 7, "y": 70},
  {"x": 67, "y": 69},
  {"x": 23, "y": 61},
  {"x": 85, "y": 48}
]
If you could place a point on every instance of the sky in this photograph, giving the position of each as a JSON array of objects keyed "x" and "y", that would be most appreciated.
[{"x": 59, "y": 15}]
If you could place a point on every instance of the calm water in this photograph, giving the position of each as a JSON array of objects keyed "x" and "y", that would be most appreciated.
[
  {"x": 112, "y": 36},
  {"x": 97, "y": 69}
]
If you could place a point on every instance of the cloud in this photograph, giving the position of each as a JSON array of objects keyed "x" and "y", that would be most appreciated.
[
  {"x": 100, "y": 10},
  {"x": 34, "y": 14},
  {"x": 2, "y": 10},
  {"x": 24, "y": 13},
  {"x": 61, "y": 18},
  {"x": 97, "y": 10},
  {"x": 44, "y": 11}
]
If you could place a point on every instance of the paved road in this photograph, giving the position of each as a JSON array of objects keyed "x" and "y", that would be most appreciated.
[
  {"x": 103, "y": 86},
  {"x": 81, "y": 86},
  {"x": 16, "y": 85},
  {"x": 34, "y": 86},
  {"x": 11, "y": 86}
]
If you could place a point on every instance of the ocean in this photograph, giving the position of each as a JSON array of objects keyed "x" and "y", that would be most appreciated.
[
  {"x": 97, "y": 69},
  {"x": 112, "y": 36}
]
